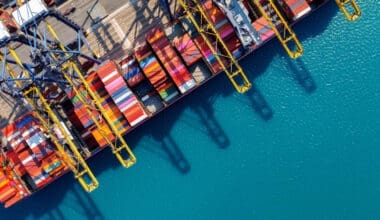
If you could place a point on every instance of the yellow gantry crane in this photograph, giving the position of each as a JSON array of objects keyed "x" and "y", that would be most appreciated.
[
  {"x": 344, "y": 4},
  {"x": 88, "y": 97},
  {"x": 223, "y": 56},
  {"x": 119, "y": 144},
  {"x": 66, "y": 147},
  {"x": 285, "y": 35}
]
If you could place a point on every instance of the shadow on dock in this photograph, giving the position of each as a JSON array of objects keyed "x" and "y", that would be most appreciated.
[{"x": 11, "y": 108}]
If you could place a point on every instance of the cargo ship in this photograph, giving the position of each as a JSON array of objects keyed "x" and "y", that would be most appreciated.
[{"x": 86, "y": 109}]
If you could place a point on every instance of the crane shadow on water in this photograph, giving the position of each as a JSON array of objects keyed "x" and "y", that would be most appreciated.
[{"x": 47, "y": 203}]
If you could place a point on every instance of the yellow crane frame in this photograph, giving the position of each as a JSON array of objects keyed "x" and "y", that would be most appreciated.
[
  {"x": 355, "y": 14},
  {"x": 119, "y": 144},
  {"x": 205, "y": 28},
  {"x": 287, "y": 35},
  {"x": 73, "y": 159}
]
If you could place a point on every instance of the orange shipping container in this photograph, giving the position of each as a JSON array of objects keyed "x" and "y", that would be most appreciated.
[{"x": 6, "y": 193}]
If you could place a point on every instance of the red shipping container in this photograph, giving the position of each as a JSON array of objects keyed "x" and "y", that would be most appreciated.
[
  {"x": 206, "y": 53},
  {"x": 233, "y": 44},
  {"x": 142, "y": 51},
  {"x": 27, "y": 158},
  {"x": 154, "y": 34},
  {"x": 213, "y": 12},
  {"x": 178, "y": 72},
  {"x": 295, "y": 8},
  {"x": 262, "y": 27},
  {"x": 13, "y": 200},
  {"x": 135, "y": 114},
  {"x": 6, "y": 193},
  {"x": 166, "y": 54},
  {"x": 158, "y": 78},
  {"x": 18, "y": 167},
  {"x": 186, "y": 47},
  {"x": 226, "y": 31},
  {"x": 39, "y": 177}
]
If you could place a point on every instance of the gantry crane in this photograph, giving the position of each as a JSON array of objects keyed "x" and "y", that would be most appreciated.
[
  {"x": 28, "y": 83},
  {"x": 224, "y": 57},
  {"x": 355, "y": 12},
  {"x": 280, "y": 27},
  {"x": 66, "y": 59}
]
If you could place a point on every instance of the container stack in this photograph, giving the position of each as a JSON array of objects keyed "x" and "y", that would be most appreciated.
[
  {"x": 208, "y": 55},
  {"x": 295, "y": 9},
  {"x": 186, "y": 47},
  {"x": 7, "y": 192},
  {"x": 76, "y": 110},
  {"x": 131, "y": 71},
  {"x": 155, "y": 74},
  {"x": 113, "y": 112},
  {"x": 11, "y": 189},
  {"x": 33, "y": 151},
  {"x": 122, "y": 96},
  {"x": 225, "y": 29},
  {"x": 263, "y": 28},
  {"x": 36, "y": 140},
  {"x": 170, "y": 60},
  {"x": 81, "y": 119},
  {"x": 14, "y": 138}
]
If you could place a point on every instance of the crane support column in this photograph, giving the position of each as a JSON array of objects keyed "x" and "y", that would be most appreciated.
[
  {"x": 287, "y": 34},
  {"x": 343, "y": 4}
]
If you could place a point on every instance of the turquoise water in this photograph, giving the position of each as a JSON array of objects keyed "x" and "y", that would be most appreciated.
[{"x": 315, "y": 158}]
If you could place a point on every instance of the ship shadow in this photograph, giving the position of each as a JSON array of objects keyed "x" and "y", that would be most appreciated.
[{"x": 48, "y": 202}]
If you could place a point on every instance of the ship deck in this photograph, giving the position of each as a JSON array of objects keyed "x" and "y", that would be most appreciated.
[{"x": 112, "y": 29}]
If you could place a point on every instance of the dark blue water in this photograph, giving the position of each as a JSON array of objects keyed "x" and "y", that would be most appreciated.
[{"x": 316, "y": 157}]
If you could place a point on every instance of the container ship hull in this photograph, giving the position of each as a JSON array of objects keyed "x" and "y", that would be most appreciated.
[{"x": 159, "y": 73}]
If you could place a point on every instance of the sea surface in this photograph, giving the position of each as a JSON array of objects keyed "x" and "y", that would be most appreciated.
[{"x": 311, "y": 153}]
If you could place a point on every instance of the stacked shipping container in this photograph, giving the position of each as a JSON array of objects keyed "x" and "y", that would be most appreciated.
[
  {"x": 32, "y": 156},
  {"x": 9, "y": 193},
  {"x": 263, "y": 28},
  {"x": 225, "y": 29},
  {"x": 186, "y": 47},
  {"x": 295, "y": 9},
  {"x": 131, "y": 71},
  {"x": 140, "y": 84},
  {"x": 122, "y": 96},
  {"x": 170, "y": 60},
  {"x": 80, "y": 114},
  {"x": 155, "y": 74},
  {"x": 113, "y": 112}
]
